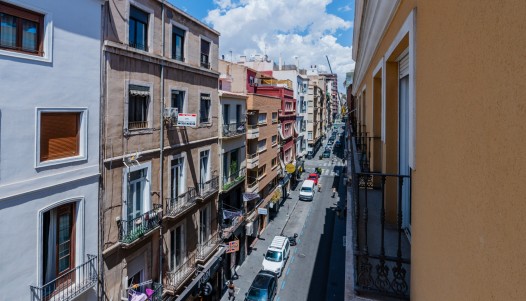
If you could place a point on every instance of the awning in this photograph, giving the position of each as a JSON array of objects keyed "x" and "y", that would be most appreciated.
[
  {"x": 247, "y": 196},
  {"x": 139, "y": 90},
  {"x": 285, "y": 180},
  {"x": 204, "y": 275},
  {"x": 205, "y": 97}
]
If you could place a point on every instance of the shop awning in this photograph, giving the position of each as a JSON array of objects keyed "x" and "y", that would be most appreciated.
[{"x": 247, "y": 196}]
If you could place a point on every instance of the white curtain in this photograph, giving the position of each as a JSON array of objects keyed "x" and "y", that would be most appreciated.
[{"x": 50, "y": 247}]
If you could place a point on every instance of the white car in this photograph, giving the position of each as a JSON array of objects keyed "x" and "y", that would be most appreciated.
[{"x": 277, "y": 254}]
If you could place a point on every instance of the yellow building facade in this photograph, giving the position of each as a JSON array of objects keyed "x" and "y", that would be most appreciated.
[{"x": 439, "y": 114}]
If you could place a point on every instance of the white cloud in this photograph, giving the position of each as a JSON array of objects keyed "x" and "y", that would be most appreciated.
[
  {"x": 287, "y": 28},
  {"x": 345, "y": 8}
]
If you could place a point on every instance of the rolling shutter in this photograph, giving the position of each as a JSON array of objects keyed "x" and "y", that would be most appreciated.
[{"x": 59, "y": 135}]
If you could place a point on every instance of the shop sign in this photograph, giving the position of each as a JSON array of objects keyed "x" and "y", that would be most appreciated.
[
  {"x": 184, "y": 119},
  {"x": 262, "y": 211},
  {"x": 290, "y": 168},
  {"x": 233, "y": 246}
]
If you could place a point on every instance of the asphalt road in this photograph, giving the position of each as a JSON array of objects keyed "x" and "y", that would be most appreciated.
[{"x": 315, "y": 270}]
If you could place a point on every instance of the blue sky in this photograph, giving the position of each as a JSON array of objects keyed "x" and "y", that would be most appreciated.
[{"x": 307, "y": 29}]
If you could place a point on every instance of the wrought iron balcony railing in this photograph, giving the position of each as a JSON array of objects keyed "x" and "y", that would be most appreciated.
[
  {"x": 134, "y": 125},
  {"x": 206, "y": 248},
  {"x": 234, "y": 129},
  {"x": 132, "y": 230},
  {"x": 234, "y": 178},
  {"x": 381, "y": 248},
  {"x": 178, "y": 205},
  {"x": 205, "y": 62},
  {"x": 69, "y": 285},
  {"x": 179, "y": 274},
  {"x": 151, "y": 290},
  {"x": 206, "y": 189}
]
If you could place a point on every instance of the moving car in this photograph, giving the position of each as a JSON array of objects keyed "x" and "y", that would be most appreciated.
[
  {"x": 326, "y": 153},
  {"x": 277, "y": 254},
  {"x": 263, "y": 288},
  {"x": 314, "y": 177},
  {"x": 307, "y": 190},
  {"x": 330, "y": 142},
  {"x": 337, "y": 144}
]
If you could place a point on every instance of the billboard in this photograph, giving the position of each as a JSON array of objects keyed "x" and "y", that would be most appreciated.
[{"x": 184, "y": 119}]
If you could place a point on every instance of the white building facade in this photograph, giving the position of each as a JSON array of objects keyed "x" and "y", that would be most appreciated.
[{"x": 49, "y": 148}]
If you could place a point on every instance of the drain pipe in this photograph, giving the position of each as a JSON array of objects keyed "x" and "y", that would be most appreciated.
[{"x": 161, "y": 153}]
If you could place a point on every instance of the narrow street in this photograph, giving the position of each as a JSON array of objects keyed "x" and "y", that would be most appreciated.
[{"x": 315, "y": 269}]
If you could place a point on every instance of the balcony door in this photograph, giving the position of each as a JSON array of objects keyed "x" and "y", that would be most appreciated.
[
  {"x": 403, "y": 140},
  {"x": 177, "y": 178},
  {"x": 59, "y": 248},
  {"x": 204, "y": 224},
  {"x": 177, "y": 247},
  {"x": 204, "y": 168}
]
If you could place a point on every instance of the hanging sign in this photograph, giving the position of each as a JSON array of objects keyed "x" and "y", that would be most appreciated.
[
  {"x": 290, "y": 168},
  {"x": 263, "y": 211},
  {"x": 233, "y": 246},
  {"x": 184, "y": 119}
]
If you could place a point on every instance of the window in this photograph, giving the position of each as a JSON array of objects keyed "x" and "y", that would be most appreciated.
[
  {"x": 137, "y": 185},
  {"x": 177, "y": 177},
  {"x": 204, "y": 109},
  {"x": 204, "y": 224},
  {"x": 274, "y": 117},
  {"x": 177, "y": 247},
  {"x": 262, "y": 145},
  {"x": 288, "y": 128},
  {"x": 288, "y": 106},
  {"x": 59, "y": 135},
  {"x": 58, "y": 244},
  {"x": 274, "y": 139},
  {"x": 205, "y": 54},
  {"x": 138, "y": 30},
  {"x": 178, "y": 43},
  {"x": 309, "y": 135},
  {"x": 20, "y": 29},
  {"x": 226, "y": 114},
  {"x": 204, "y": 176},
  {"x": 274, "y": 162},
  {"x": 288, "y": 155},
  {"x": 178, "y": 100},
  {"x": 138, "y": 104},
  {"x": 261, "y": 171},
  {"x": 262, "y": 118},
  {"x": 251, "y": 80}
]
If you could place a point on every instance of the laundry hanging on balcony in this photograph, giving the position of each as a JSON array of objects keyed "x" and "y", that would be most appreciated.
[
  {"x": 135, "y": 295},
  {"x": 250, "y": 196},
  {"x": 228, "y": 214}
]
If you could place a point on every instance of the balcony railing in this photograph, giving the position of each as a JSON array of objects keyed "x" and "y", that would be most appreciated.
[
  {"x": 206, "y": 189},
  {"x": 252, "y": 160},
  {"x": 134, "y": 125},
  {"x": 205, "y": 63},
  {"x": 178, "y": 205},
  {"x": 132, "y": 230},
  {"x": 252, "y": 184},
  {"x": 148, "y": 290},
  {"x": 70, "y": 285},
  {"x": 381, "y": 220},
  {"x": 206, "y": 248},
  {"x": 140, "y": 46},
  {"x": 233, "y": 179},
  {"x": 234, "y": 129},
  {"x": 178, "y": 276},
  {"x": 228, "y": 229}
]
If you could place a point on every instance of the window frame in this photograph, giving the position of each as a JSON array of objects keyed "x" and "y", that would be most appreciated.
[
  {"x": 260, "y": 150},
  {"x": 151, "y": 25},
  {"x": 185, "y": 99},
  {"x": 274, "y": 141},
  {"x": 83, "y": 136},
  {"x": 206, "y": 39},
  {"x": 261, "y": 122},
  {"x": 149, "y": 127},
  {"x": 209, "y": 117},
  {"x": 147, "y": 200},
  {"x": 185, "y": 40},
  {"x": 173, "y": 233}
]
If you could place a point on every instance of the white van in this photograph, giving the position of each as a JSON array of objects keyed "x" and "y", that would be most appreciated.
[
  {"x": 277, "y": 254},
  {"x": 307, "y": 190}
]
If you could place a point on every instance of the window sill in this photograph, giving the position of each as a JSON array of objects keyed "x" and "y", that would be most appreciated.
[
  {"x": 55, "y": 162},
  {"x": 262, "y": 123},
  {"x": 262, "y": 176},
  {"x": 27, "y": 56},
  {"x": 262, "y": 150},
  {"x": 273, "y": 145},
  {"x": 274, "y": 167},
  {"x": 134, "y": 132}
]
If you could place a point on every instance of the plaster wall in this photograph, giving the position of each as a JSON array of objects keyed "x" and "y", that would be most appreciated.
[{"x": 466, "y": 229}]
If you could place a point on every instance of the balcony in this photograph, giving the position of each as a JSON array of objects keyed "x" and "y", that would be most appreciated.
[
  {"x": 205, "y": 62},
  {"x": 252, "y": 131},
  {"x": 70, "y": 285},
  {"x": 228, "y": 230},
  {"x": 180, "y": 274},
  {"x": 381, "y": 230},
  {"x": 208, "y": 188},
  {"x": 252, "y": 185},
  {"x": 180, "y": 204},
  {"x": 131, "y": 230},
  {"x": 252, "y": 160},
  {"x": 233, "y": 129},
  {"x": 148, "y": 290},
  {"x": 205, "y": 249},
  {"x": 233, "y": 179}
]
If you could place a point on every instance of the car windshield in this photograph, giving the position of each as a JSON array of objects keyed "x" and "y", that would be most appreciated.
[
  {"x": 312, "y": 177},
  {"x": 306, "y": 189},
  {"x": 257, "y": 294},
  {"x": 273, "y": 256}
]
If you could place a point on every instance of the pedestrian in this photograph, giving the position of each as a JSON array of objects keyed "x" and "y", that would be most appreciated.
[
  {"x": 231, "y": 290},
  {"x": 319, "y": 186}
]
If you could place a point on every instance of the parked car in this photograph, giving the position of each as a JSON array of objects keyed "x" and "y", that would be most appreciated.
[
  {"x": 307, "y": 190},
  {"x": 314, "y": 177},
  {"x": 330, "y": 141},
  {"x": 337, "y": 144},
  {"x": 277, "y": 254},
  {"x": 263, "y": 288},
  {"x": 326, "y": 153}
]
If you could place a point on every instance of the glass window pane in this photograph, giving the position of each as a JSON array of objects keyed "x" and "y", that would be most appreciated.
[
  {"x": 29, "y": 35},
  {"x": 7, "y": 30},
  {"x": 132, "y": 32}
]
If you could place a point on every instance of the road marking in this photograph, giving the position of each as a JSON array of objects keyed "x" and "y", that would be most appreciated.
[
  {"x": 278, "y": 298},
  {"x": 288, "y": 270},
  {"x": 292, "y": 260},
  {"x": 283, "y": 284}
]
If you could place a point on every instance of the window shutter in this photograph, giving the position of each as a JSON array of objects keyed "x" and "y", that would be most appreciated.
[
  {"x": 404, "y": 66},
  {"x": 59, "y": 135}
]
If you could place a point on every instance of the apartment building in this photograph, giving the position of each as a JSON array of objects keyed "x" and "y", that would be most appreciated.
[
  {"x": 49, "y": 149},
  {"x": 315, "y": 111},
  {"x": 161, "y": 163},
  {"x": 262, "y": 150},
  {"x": 232, "y": 211},
  {"x": 440, "y": 124},
  {"x": 332, "y": 97}
]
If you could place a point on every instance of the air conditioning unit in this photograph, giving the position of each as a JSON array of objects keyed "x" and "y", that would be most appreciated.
[{"x": 170, "y": 114}]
